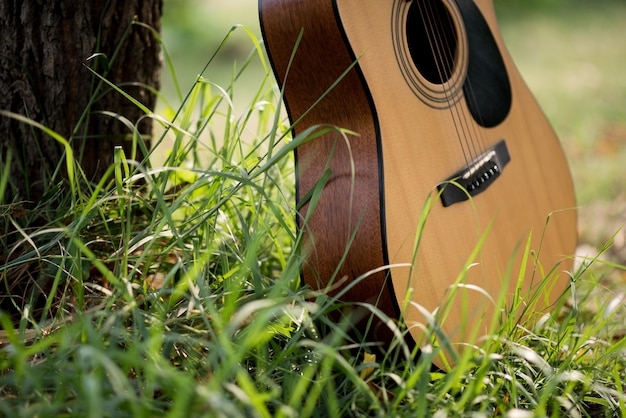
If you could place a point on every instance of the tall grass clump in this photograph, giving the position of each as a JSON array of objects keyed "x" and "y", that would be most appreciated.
[{"x": 173, "y": 290}]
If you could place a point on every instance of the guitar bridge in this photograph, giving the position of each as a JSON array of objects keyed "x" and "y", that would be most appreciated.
[{"x": 476, "y": 177}]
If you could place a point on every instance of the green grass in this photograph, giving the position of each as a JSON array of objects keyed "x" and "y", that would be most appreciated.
[{"x": 173, "y": 290}]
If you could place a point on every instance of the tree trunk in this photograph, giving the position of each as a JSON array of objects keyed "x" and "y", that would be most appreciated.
[{"x": 44, "y": 51}]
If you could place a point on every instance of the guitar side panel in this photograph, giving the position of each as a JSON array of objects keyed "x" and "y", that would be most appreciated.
[{"x": 348, "y": 214}]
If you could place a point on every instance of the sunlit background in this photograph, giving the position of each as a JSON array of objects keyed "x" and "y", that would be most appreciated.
[
  {"x": 193, "y": 30},
  {"x": 572, "y": 53}
]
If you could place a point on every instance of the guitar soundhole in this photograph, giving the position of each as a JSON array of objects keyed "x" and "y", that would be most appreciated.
[{"x": 432, "y": 40}]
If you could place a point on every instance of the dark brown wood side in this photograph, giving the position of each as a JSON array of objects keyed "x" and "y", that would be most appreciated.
[{"x": 351, "y": 200}]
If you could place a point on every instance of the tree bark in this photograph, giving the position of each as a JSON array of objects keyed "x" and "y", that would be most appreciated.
[{"x": 44, "y": 51}]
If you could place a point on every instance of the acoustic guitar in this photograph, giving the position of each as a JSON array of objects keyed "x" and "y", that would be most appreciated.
[{"x": 445, "y": 175}]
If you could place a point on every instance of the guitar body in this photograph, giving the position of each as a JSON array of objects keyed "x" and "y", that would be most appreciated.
[{"x": 444, "y": 124}]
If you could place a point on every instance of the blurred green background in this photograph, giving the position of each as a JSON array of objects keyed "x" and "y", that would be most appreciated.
[{"x": 571, "y": 53}]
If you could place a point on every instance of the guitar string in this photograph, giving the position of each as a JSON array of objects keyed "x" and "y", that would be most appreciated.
[
  {"x": 471, "y": 96},
  {"x": 435, "y": 50},
  {"x": 467, "y": 133},
  {"x": 447, "y": 62},
  {"x": 471, "y": 137},
  {"x": 476, "y": 136}
]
